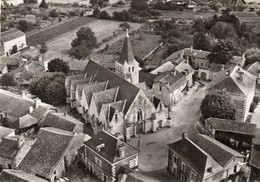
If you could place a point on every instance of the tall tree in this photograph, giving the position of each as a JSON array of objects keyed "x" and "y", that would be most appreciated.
[
  {"x": 222, "y": 52},
  {"x": 252, "y": 55},
  {"x": 217, "y": 105},
  {"x": 7, "y": 80},
  {"x": 139, "y": 5},
  {"x": 58, "y": 65},
  {"x": 223, "y": 30},
  {"x": 43, "y": 48},
  {"x": 85, "y": 40}
]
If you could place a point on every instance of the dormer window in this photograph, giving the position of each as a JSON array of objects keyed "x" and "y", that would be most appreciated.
[{"x": 99, "y": 147}]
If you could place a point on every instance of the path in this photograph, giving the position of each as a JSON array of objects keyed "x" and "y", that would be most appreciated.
[{"x": 152, "y": 159}]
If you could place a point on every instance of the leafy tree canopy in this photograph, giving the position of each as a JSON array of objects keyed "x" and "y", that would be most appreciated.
[
  {"x": 7, "y": 80},
  {"x": 50, "y": 89},
  {"x": 217, "y": 105},
  {"x": 58, "y": 65},
  {"x": 253, "y": 55},
  {"x": 139, "y": 5}
]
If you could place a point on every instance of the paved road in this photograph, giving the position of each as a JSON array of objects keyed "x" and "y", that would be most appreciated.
[{"x": 152, "y": 159}]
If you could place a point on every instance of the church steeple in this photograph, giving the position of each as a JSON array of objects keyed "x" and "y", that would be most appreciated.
[
  {"x": 127, "y": 51},
  {"x": 127, "y": 66}
]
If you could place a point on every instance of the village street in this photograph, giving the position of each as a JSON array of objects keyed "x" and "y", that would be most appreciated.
[{"x": 153, "y": 156}]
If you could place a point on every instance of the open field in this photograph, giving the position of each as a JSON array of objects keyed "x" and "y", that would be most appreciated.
[{"x": 184, "y": 15}]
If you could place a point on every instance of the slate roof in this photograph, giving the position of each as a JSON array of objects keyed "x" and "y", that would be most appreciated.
[
  {"x": 25, "y": 121},
  {"x": 174, "y": 80},
  {"x": 192, "y": 153},
  {"x": 91, "y": 88},
  {"x": 232, "y": 126},
  {"x": 60, "y": 121},
  {"x": 11, "y": 34},
  {"x": 41, "y": 110},
  {"x": 77, "y": 65},
  {"x": 236, "y": 60},
  {"x": 254, "y": 68},
  {"x": 168, "y": 66},
  {"x": 126, "y": 91},
  {"x": 118, "y": 105},
  {"x": 232, "y": 83},
  {"x": 14, "y": 104},
  {"x": 10, "y": 175},
  {"x": 106, "y": 96},
  {"x": 143, "y": 86},
  {"x": 48, "y": 150},
  {"x": 76, "y": 81},
  {"x": 8, "y": 147},
  {"x": 184, "y": 65},
  {"x": 71, "y": 77},
  {"x": 210, "y": 146},
  {"x": 4, "y": 131},
  {"x": 255, "y": 157},
  {"x": 126, "y": 52},
  {"x": 109, "y": 152}
]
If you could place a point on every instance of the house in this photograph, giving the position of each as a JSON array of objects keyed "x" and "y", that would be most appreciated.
[
  {"x": 52, "y": 153},
  {"x": 106, "y": 60},
  {"x": 13, "y": 40},
  {"x": 172, "y": 85},
  {"x": 62, "y": 121},
  {"x": 168, "y": 66},
  {"x": 239, "y": 85},
  {"x": 254, "y": 161},
  {"x": 13, "y": 148},
  {"x": 203, "y": 159},
  {"x": 110, "y": 101},
  {"x": 236, "y": 135},
  {"x": 254, "y": 68},
  {"x": 106, "y": 156},
  {"x": 238, "y": 61},
  {"x": 18, "y": 175}
]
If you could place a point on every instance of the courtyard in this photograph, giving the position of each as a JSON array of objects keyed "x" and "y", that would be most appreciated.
[{"x": 153, "y": 155}]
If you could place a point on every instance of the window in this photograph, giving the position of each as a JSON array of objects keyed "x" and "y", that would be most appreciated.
[
  {"x": 235, "y": 169},
  {"x": 201, "y": 64},
  {"x": 132, "y": 163},
  {"x": 214, "y": 75},
  {"x": 160, "y": 88},
  {"x": 115, "y": 116},
  {"x": 174, "y": 158},
  {"x": 98, "y": 162},
  {"x": 133, "y": 69},
  {"x": 129, "y": 69},
  {"x": 183, "y": 167}
]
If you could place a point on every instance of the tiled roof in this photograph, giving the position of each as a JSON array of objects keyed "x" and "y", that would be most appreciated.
[
  {"x": 11, "y": 34},
  {"x": 192, "y": 154},
  {"x": 14, "y": 104},
  {"x": 255, "y": 157},
  {"x": 77, "y": 65},
  {"x": 111, "y": 143},
  {"x": 91, "y": 88},
  {"x": 41, "y": 110},
  {"x": 126, "y": 91},
  {"x": 188, "y": 52},
  {"x": 35, "y": 66},
  {"x": 25, "y": 121},
  {"x": 71, "y": 77},
  {"x": 236, "y": 60},
  {"x": 168, "y": 66},
  {"x": 254, "y": 68},
  {"x": 60, "y": 121},
  {"x": 183, "y": 66},
  {"x": 126, "y": 52},
  {"x": 48, "y": 150},
  {"x": 210, "y": 146},
  {"x": 143, "y": 86},
  {"x": 4, "y": 131},
  {"x": 8, "y": 147},
  {"x": 103, "y": 97},
  {"x": 76, "y": 81},
  {"x": 104, "y": 58},
  {"x": 14, "y": 61},
  {"x": 232, "y": 83},
  {"x": 118, "y": 105},
  {"x": 232, "y": 126},
  {"x": 10, "y": 175}
]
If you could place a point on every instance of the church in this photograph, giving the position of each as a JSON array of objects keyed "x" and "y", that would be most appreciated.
[{"x": 112, "y": 101}]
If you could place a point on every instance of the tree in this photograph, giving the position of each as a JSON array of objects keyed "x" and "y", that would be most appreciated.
[
  {"x": 124, "y": 25},
  {"x": 104, "y": 15},
  {"x": 139, "y": 5},
  {"x": 202, "y": 42},
  {"x": 252, "y": 55},
  {"x": 43, "y": 48},
  {"x": 217, "y": 105},
  {"x": 58, "y": 65},
  {"x": 43, "y": 5},
  {"x": 7, "y": 80},
  {"x": 53, "y": 13},
  {"x": 223, "y": 30},
  {"x": 23, "y": 25},
  {"x": 222, "y": 52},
  {"x": 85, "y": 40},
  {"x": 96, "y": 13},
  {"x": 50, "y": 88}
]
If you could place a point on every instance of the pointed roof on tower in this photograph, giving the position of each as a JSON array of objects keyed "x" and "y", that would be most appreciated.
[{"x": 127, "y": 51}]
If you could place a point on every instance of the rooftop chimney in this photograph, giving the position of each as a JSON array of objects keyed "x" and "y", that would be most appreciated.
[
  {"x": 99, "y": 147},
  {"x": 20, "y": 141},
  {"x": 37, "y": 102},
  {"x": 23, "y": 95},
  {"x": 121, "y": 150},
  {"x": 222, "y": 67},
  {"x": 241, "y": 75},
  {"x": 30, "y": 109},
  {"x": 227, "y": 72},
  {"x": 191, "y": 48},
  {"x": 184, "y": 135}
]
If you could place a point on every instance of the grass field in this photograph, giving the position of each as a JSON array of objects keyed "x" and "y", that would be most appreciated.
[{"x": 102, "y": 29}]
